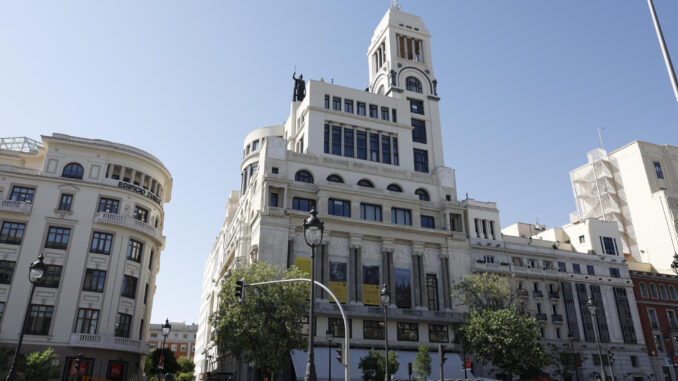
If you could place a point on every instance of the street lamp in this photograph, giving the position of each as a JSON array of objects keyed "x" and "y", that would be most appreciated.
[
  {"x": 674, "y": 264},
  {"x": 36, "y": 274},
  {"x": 165, "y": 330},
  {"x": 592, "y": 311},
  {"x": 330, "y": 336},
  {"x": 313, "y": 234},
  {"x": 385, "y": 300}
]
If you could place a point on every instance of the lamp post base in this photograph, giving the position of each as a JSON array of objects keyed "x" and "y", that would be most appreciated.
[{"x": 310, "y": 371}]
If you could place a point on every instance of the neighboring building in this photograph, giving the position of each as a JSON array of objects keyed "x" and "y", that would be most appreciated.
[
  {"x": 95, "y": 210},
  {"x": 637, "y": 187},
  {"x": 657, "y": 301},
  {"x": 181, "y": 339}
]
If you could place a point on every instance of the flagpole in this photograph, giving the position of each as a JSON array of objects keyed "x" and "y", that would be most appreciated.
[{"x": 665, "y": 51}]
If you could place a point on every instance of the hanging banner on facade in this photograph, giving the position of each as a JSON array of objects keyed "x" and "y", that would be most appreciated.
[
  {"x": 338, "y": 272},
  {"x": 403, "y": 294},
  {"x": 371, "y": 286},
  {"x": 304, "y": 264}
]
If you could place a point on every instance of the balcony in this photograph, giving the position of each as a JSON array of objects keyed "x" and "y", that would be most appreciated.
[
  {"x": 540, "y": 317},
  {"x": 537, "y": 294},
  {"x": 557, "y": 318},
  {"x": 16, "y": 206},
  {"x": 109, "y": 342},
  {"x": 522, "y": 293},
  {"x": 554, "y": 295},
  {"x": 131, "y": 223}
]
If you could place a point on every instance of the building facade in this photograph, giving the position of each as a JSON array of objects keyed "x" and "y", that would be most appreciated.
[
  {"x": 181, "y": 340},
  {"x": 637, "y": 187},
  {"x": 94, "y": 209}
]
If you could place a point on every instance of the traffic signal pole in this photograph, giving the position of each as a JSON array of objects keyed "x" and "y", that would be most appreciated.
[{"x": 347, "y": 358}]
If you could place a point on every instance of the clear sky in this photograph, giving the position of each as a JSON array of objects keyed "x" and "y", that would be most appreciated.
[{"x": 524, "y": 85}]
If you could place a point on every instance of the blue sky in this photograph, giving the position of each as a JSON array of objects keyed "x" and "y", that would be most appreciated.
[{"x": 524, "y": 85}]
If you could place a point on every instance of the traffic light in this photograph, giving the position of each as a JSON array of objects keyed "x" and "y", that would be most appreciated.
[
  {"x": 610, "y": 356},
  {"x": 409, "y": 368},
  {"x": 340, "y": 355},
  {"x": 240, "y": 289}
]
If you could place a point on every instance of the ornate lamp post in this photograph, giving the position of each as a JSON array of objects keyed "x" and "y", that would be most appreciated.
[
  {"x": 313, "y": 234},
  {"x": 385, "y": 300},
  {"x": 35, "y": 275},
  {"x": 330, "y": 336},
  {"x": 592, "y": 311},
  {"x": 165, "y": 330}
]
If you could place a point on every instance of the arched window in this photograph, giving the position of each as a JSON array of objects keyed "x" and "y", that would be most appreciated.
[
  {"x": 335, "y": 179},
  {"x": 394, "y": 188},
  {"x": 413, "y": 84},
  {"x": 672, "y": 293},
  {"x": 662, "y": 292},
  {"x": 365, "y": 183},
  {"x": 73, "y": 171},
  {"x": 304, "y": 177},
  {"x": 643, "y": 290},
  {"x": 423, "y": 194},
  {"x": 653, "y": 291}
]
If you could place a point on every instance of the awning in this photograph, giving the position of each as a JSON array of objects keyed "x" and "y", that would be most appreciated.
[{"x": 452, "y": 368}]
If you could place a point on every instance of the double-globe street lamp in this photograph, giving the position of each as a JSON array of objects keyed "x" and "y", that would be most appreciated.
[
  {"x": 35, "y": 275},
  {"x": 165, "y": 330},
  {"x": 385, "y": 296},
  {"x": 593, "y": 311},
  {"x": 313, "y": 234}
]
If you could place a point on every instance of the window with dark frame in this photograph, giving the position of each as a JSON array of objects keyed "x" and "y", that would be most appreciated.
[
  {"x": 432, "y": 291},
  {"x": 303, "y": 204},
  {"x": 73, "y": 171},
  {"x": 273, "y": 199},
  {"x": 348, "y": 142},
  {"x": 385, "y": 149},
  {"x": 134, "y": 250},
  {"x": 394, "y": 187},
  {"x": 394, "y": 118},
  {"x": 87, "y": 322},
  {"x": 12, "y": 233},
  {"x": 39, "y": 319},
  {"x": 438, "y": 333},
  {"x": 94, "y": 280},
  {"x": 361, "y": 143},
  {"x": 420, "y": 160},
  {"x": 614, "y": 272},
  {"x": 384, "y": 113},
  {"x": 336, "y": 325},
  {"x": 609, "y": 245},
  {"x": 361, "y": 109},
  {"x": 348, "y": 106},
  {"x": 658, "y": 170},
  {"x": 336, "y": 104},
  {"x": 374, "y": 111},
  {"x": 408, "y": 331},
  {"x": 590, "y": 270},
  {"x": 327, "y": 101},
  {"x": 428, "y": 222},
  {"x": 413, "y": 84},
  {"x": 6, "y": 271},
  {"x": 303, "y": 177},
  {"x": 416, "y": 106},
  {"x": 370, "y": 212},
  {"x": 57, "y": 238},
  {"x": 52, "y": 277},
  {"x": 374, "y": 147},
  {"x": 373, "y": 330},
  {"x": 101, "y": 243},
  {"x": 23, "y": 194},
  {"x": 146, "y": 293},
  {"x": 140, "y": 214},
  {"x": 336, "y": 140},
  {"x": 423, "y": 194},
  {"x": 129, "y": 287},
  {"x": 65, "y": 202},
  {"x": 365, "y": 183},
  {"x": 326, "y": 138},
  {"x": 335, "y": 179},
  {"x": 108, "y": 205},
  {"x": 123, "y": 323},
  {"x": 401, "y": 216},
  {"x": 418, "y": 131},
  {"x": 339, "y": 207}
]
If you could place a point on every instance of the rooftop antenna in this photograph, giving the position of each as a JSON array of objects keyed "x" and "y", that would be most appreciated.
[
  {"x": 395, "y": 5},
  {"x": 600, "y": 137}
]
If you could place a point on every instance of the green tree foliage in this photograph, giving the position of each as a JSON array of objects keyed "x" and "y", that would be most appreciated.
[
  {"x": 422, "y": 362},
  {"x": 6, "y": 355},
  {"x": 169, "y": 362},
  {"x": 39, "y": 367},
  {"x": 373, "y": 365},
  {"x": 184, "y": 376},
  {"x": 186, "y": 365},
  {"x": 484, "y": 291},
  {"x": 266, "y": 326}
]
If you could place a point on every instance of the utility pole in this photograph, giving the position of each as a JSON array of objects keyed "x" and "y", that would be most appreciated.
[
  {"x": 665, "y": 51},
  {"x": 442, "y": 358}
]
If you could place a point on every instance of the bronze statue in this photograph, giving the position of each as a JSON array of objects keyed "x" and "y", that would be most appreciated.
[{"x": 299, "y": 87}]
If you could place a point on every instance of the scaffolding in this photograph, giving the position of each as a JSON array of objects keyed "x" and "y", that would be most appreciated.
[{"x": 20, "y": 144}]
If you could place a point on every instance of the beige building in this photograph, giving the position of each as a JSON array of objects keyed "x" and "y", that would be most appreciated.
[
  {"x": 181, "y": 340},
  {"x": 94, "y": 208}
]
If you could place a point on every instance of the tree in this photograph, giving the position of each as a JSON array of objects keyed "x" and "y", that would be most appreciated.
[
  {"x": 422, "y": 362},
  {"x": 484, "y": 291},
  {"x": 373, "y": 365},
  {"x": 39, "y": 366},
  {"x": 266, "y": 326},
  {"x": 6, "y": 355},
  {"x": 186, "y": 368},
  {"x": 169, "y": 362}
]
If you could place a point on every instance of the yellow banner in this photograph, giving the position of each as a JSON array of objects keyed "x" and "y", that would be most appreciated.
[
  {"x": 371, "y": 295},
  {"x": 339, "y": 290},
  {"x": 304, "y": 264}
]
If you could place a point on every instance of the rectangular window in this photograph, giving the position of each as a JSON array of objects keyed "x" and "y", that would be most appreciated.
[
  {"x": 590, "y": 270},
  {"x": 12, "y": 233},
  {"x": 273, "y": 199},
  {"x": 582, "y": 239},
  {"x": 52, "y": 277},
  {"x": 428, "y": 222},
  {"x": 438, "y": 333},
  {"x": 339, "y": 207},
  {"x": 625, "y": 317},
  {"x": 609, "y": 245},
  {"x": 94, "y": 280},
  {"x": 671, "y": 315},
  {"x": 373, "y": 329},
  {"x": 416, "y": 106},
  {"x": 65, "y": 202},
  {"x": 370, "y": 212},
  {"x": 614, "y": 272},
  {"x": 361, "y": 137},
  {"x": 401, "y": 216},
  {"x": 374, "y": 111},
  {"x": 336, "y": 325},
  {"x": 57, "y": 238},
  {"x": 336, "y": 104},
  {"x": 87, "y": 321},
  {"x": 255, "y": 145},
  {"x": 562, "y": 267},
  {"x": 6, "y": 271},
  {"x": 129, "y": 287},
  {"x": 107, "y": 205},
  {"x": 393, "y": 114},
  {"x": 140, "y": 214},
  {"x": 134, "y": 250},
  {"x": 23, "y": 194},
  {"x": 576, "y": 268},
  {"x": 361, "y": 109},
  {"x": 419, "y": 131},
  {"x": 384, "y": 113},
  {"x": 123, "y": 323},
  {"x": 654, "y": 321},
  {"x": 39, "y": 319},
  {"x": 327, "y": 101},
  {"x": 396, "y": 160},
  {"x": 658, "y": 170},
  {"x": 348, "y": 106},
  {"x": 408, "y": 331},
  {"x": 374, "y": 147},
  {"x": 634, "y": 361},
  {"x": 146, "y": 293},
  {"x": 101, "y": 243},
  {"x": 420, "y": 160},
  {"x": 432, "y": 292},
  {"x": 303, "y": 204},
  {"x": 336, "y": 140},
  {"x": 348, "y": 142},
  {"x": 386, "y": 149},
  {"x": 327, "y": 138}
]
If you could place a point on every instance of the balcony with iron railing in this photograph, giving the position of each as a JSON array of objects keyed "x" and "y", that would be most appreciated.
[
  {"x": 16, "y": 206},
  {"x": 540, "y": 316},
  {"x": 131, "y": 223},
  {"x": 522, "y": 293},
  {"x": 554, "y": 295},
  {"x": 537, "y": 293},
  {"x": 109, "y": 342},
  {"x": 557, "y": 318}
]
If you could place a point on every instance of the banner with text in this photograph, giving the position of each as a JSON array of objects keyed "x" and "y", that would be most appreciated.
[
  {"x": 338, "y": 272},
  {"x": 371, "y": 286}
]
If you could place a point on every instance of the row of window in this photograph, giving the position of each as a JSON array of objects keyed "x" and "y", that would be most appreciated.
[
  {"x": 657, "y": 294},
  {"x": 361, "y": 144},
  {"x": 361, "y": 108},
  {"x": 374, "y": 330},
  {"x": 670, "y": 316},
  {"x": 133, "y": 176},
  {"x": 306, "y": 177}
]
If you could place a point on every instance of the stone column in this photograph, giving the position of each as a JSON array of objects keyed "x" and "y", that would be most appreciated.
[
  {"x": 325, "y": 268},
  {"x": 415, "y": 279},
  {"x": 445, "y": 275},
  {"x": 357, "y": 275},
  {"x": 387, "y": 271}
]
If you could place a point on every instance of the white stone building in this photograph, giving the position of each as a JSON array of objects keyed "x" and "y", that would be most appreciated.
[
  {"x": 95, "y": 210},
  {"x": 637, "y": 187}
]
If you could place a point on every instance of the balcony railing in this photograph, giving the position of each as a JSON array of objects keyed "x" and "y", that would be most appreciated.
[
  {"x": 537, "y": 293},
  {"x": 554, "y": 295},
  {"x": 109, "y": 342},
  {"x": 16, "y": 206},
  {"x": 557, "y": 318},
  {"x": 540, "y": 317},
  {"x": 522, "y": 293},
  {"x": 129, "y": 222}
]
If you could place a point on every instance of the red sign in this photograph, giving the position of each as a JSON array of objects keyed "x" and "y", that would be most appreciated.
[
  {"x": 116, "y": 370},
  {"x": 83, "y": 367},
  {"x": 467, "y": 363},
  {"x": 578, "y": 363},
  {"x": 675, "y": 360}
]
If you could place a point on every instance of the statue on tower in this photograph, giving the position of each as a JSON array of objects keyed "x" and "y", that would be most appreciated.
[{"x": 299, "y": 87}]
